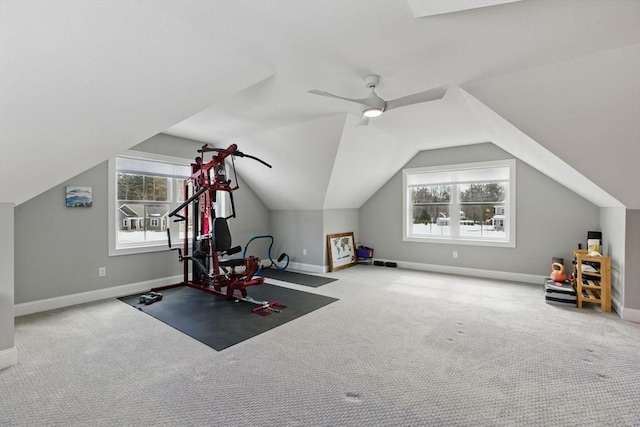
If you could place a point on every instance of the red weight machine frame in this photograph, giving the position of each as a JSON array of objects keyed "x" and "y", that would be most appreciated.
[{"x": 211, "y": 239}]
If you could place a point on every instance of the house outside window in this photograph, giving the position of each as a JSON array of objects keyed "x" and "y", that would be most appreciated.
[
  {"x": 143, "y": 189},
  {"x": 471, "y": 204}
]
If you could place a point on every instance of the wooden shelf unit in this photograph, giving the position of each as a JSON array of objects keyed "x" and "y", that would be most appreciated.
[{"x": 596, "y": 285}]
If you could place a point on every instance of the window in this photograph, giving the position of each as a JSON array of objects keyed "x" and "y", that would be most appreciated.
[
  {"x": 470, "y": 204},
  {"x": 143, "y": 190}
]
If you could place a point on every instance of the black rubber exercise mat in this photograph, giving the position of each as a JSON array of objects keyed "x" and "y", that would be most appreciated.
[
  {"x": 221, "y": 323},
  {"x": 297, "y": 278}
]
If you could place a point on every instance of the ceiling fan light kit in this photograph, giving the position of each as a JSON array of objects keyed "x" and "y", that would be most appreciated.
[
  {"x": 372, "y": 112},
  {"x": 375, "y": 106}
]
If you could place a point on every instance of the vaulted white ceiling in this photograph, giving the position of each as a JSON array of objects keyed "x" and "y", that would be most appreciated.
[{"x": 552, "y": 82}]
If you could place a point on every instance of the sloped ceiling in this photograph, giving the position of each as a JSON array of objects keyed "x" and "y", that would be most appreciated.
[
  {"x": 82, "y": 81},
  {"x": 585, "y": 110}
]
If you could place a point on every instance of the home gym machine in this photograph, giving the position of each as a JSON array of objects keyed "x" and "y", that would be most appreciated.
[{"x": 211, "y": 241}]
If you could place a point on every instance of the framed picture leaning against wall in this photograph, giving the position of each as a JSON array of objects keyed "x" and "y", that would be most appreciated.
[{"x": 341, "y": 250}]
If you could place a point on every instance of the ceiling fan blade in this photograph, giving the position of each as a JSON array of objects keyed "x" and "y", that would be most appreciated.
[
  {"x": 364, "y": 121},
  {"x": 427, "y": 95},
  {"x": 364, "y": 101}
]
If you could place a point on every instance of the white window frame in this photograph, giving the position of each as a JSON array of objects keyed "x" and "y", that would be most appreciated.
[
  {"x": 510, "y": 207},
  {"x": 114, "y": 249}
]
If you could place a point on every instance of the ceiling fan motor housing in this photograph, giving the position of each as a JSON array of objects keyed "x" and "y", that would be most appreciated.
[{"x": 371, "y": 81}]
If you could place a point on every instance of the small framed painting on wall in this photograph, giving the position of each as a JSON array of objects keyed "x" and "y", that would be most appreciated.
[{"x": 78, "y": 197}]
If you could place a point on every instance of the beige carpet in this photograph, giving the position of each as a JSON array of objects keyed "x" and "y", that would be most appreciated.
[{"x": 400, "y": 348}]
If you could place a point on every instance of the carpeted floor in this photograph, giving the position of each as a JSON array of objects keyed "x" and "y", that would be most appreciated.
[{"x": 399, "y": 348}]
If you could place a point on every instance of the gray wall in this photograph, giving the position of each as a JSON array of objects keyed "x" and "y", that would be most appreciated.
[
  {"x": 632, "y": 266},
  {"x": 297, "y": 230},
  {"x": 551, "y": 220},
  {"x": 252, "y": 219},
  {"x": 6, "y": 275},
  {"x": 58, "y": 250}
]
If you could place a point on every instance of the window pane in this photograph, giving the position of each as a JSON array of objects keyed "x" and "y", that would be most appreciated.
[
  {"x": 156, "y": 222},
  {"x": 431, "y": 220},
  {"x": 471, "y": 202},
  {"x": 483, "y": 192},
  {"x": 180, "y": 190},
  {"x": 130, "y": 187},
  {"x": 141, "y": 223},
  {"x": 142, "y": 187},
  {"x": 482, "y": 220},
  {"x": 431, "y": 194},
  {"x": 155, "y": 188},
  {"x": 146, "y": 189},
  {"x": 431, "y": 210}
]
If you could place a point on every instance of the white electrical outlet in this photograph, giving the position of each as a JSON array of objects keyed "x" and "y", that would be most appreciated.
[
  {"x": 455, "y": 254},
  {"x": 304, "y": 252},
  {"x": 102, "y": 271}
]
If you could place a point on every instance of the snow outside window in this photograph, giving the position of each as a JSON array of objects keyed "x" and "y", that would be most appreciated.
[
  {"x": 471, "y": 204},
  {"x": 143, "y": 189}
]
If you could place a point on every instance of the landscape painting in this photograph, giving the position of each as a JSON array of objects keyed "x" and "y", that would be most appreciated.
[{"x": 78, "y": 197}]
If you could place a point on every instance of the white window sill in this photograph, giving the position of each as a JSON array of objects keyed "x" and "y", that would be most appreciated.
[{"x": 460, "y": 241}]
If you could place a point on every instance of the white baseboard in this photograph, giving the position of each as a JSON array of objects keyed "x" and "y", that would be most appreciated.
[
  {"x": 307, "y": 268},
  {"x": 630, "y": 314},
  {"x": 475, "y": 272},
  {"x": 89, "y": 296},
  {"x": 8, "y": 357},
  {"x": 461, "y": 271}
]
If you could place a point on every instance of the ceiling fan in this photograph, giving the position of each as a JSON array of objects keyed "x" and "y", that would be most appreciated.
[{"x": 373, "y": 105}]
